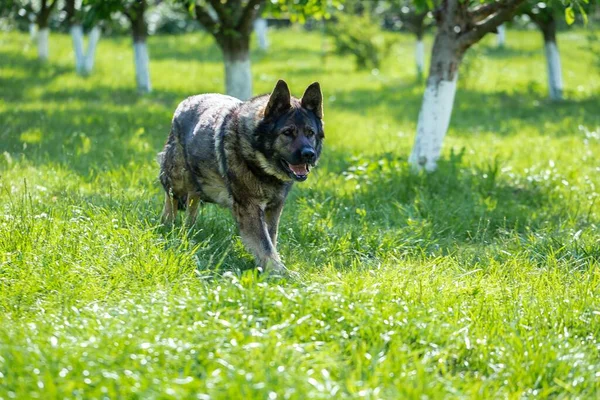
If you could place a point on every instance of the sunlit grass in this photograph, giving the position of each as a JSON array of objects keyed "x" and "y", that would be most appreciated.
[{"x": 480, "y": 280}]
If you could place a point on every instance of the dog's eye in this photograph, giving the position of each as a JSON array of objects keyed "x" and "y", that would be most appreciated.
[
  {"x": 288, "y": 132},
  {"x": 309, "y": 133}
]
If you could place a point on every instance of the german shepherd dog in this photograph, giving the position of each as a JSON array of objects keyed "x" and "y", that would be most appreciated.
[{"x": 244, "y": 156}]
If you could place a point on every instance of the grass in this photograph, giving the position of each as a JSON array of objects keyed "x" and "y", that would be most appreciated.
[{"x": 481, "y": 280}]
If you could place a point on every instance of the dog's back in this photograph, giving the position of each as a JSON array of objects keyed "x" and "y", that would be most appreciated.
[
  {"x": 189, "y": 161},
  {"x": 202, "y": 115}
]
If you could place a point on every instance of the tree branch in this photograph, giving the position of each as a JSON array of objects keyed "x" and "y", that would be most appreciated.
[
  {"x": 484, "y": 11},
  {"x": 205, "y": 19},
  {"x": 534, "y": 18},
  {"x": 129, "y": 16},
  {"x": 70, "y": 11},
  {"x": 504, "y": 13},
  {"x": 250, "y": 12},
  {"x": 45, "y": 11},
  {"x": 224, "y": 17},
  {"x": 52, "y": 5}
]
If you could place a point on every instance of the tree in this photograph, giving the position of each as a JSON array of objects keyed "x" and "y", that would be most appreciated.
[
  {"x": 460, "y": 25},
  {"x": 360, "y": 36},
  {"x": 40, "y": 12},
  {"x": 261, "y": 27},
  {"x": 501, "y": 39},
  {"x": 414, "y": 20},
  {"x": 32, "y": 27},
  {"x": 231, "y": 22},
  {"x": 13, "y": 9},
  {"x": 84, "y": 60},
  {"x": 544, "y": 18},
  {"x": 231, "y": 25},
  {"x": 134, "y": 11}
]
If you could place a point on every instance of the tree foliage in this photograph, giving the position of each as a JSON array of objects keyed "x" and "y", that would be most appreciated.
[{"x": 359, "y": 36}]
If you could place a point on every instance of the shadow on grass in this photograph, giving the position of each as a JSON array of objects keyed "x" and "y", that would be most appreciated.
[
  {"x": 414, "y": 213},
  {"x": 116, "y": 96},
  {"x": 83, "y": 138},
  {"x": 35, "y": 74},
  {"x": 507, "y": 52},
  {"x": 204, "y": 49},
  {"x": 15, "y": 88}
]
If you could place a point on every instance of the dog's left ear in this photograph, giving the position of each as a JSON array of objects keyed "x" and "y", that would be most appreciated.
[
  {"x": 312, "y": 99},
  {"x": 280, "y": 100}
]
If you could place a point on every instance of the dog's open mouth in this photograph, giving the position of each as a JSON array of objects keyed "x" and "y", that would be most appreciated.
[{"x": 298, "y": 172}]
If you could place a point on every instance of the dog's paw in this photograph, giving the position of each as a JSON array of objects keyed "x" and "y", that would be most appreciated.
[{"x": 276, "y": 269}]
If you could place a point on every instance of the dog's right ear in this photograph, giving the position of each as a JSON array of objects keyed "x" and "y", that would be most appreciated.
[{"x": 280, "y": 100}]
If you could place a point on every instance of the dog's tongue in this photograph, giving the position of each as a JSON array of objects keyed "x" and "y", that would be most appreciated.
[{"x": 299, "y": 169}]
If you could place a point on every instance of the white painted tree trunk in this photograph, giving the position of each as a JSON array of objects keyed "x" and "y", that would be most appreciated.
[
  {"x": 90, "y": 54},
  {"x": 32, "y": 31},
  {"x": 77, "y": 37},
  {"x": 501, "y": 36},
  {"x": 261, "y": 28},
  {"x": 555, "y": 84},
  {"x": 42, "y": 39},
  {"x": 238, "y": 77},
  {"x": 434, "y": 119},
  {"x": 420, "y": 57},
  {"x": 142, "y": 68}
]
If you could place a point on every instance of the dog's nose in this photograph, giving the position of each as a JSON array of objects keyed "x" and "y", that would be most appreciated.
[{"x": 308, "y": 155}]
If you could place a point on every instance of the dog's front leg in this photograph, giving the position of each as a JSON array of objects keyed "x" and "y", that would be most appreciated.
[
  {"x": 255, "y": 236},
  {"x": 169, "y": 211},
  {"x": 272, "y": 214},
  {"x": 193, "y": 202}
]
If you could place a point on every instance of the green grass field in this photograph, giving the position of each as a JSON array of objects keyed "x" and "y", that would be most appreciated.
[{"x": 481, "y": 280}]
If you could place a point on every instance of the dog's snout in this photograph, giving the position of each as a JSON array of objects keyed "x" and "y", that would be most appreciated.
[{"x": 308, "y": 154}]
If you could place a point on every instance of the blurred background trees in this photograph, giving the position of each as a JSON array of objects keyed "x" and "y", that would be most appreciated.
[
  {"x": 360, "y": 29},
  {"x": 545, "y": 17},
  {"x": 75, "y": 14}
]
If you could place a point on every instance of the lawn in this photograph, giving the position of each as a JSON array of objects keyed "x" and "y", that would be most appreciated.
[{"x": 480, "y": 280}]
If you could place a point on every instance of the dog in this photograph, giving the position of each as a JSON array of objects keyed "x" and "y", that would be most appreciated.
[{"x": 245, "y": 156}]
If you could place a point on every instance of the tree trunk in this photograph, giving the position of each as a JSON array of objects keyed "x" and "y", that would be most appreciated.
[
  {"x": 77, "y": 37},
  {"x": 501, "y": 38},
  {"x": 93, "y": 38},
  {"x": 140, "y": 49},
  {"x": 231, "y": 26},
  {"x": 436, "y": 109},
  {"x": 142, "y": 69},
  {"x": 555, "y": 84},
  {"x": 420, "y": 57},
  {"x": 415, "y": 23},
  {"x": 458, "y": 29},
  {"x": 261, "y": 28},
  {"x": 32, "y": 31},
  {"x": 42, "y": 43},
  {"x": 238, "y": 75},
  {"x": 438, "y": 99},
  {"x": 42, "y": 18},
  {"x": 544, "y": 19}
]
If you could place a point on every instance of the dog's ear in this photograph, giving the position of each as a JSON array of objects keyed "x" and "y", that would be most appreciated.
[
  {"x": 280, "y": 100},
  {"x": 312, "y": 99}
]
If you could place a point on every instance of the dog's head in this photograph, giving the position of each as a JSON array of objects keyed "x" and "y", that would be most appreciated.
[{"x": 290, "y": 135}]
